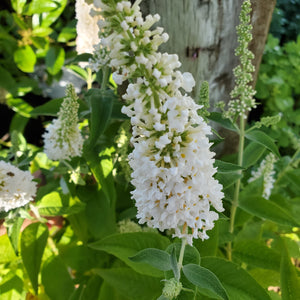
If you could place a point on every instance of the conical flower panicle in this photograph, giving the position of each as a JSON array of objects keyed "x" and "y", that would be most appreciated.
[
  {"x": 62, "y": 138},
  {"x": 171, "y": 161}
]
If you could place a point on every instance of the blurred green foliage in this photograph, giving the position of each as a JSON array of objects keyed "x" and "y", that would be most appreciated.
[
  {"x": 286, "y": 20},
  {"x": 278, "y": 88}
]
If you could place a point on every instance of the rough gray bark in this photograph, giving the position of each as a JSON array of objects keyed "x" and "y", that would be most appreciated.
[{"x": 203, "y": 34}]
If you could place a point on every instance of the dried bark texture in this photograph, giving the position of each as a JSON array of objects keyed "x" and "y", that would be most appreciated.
[{"x": 203, "y": 34}]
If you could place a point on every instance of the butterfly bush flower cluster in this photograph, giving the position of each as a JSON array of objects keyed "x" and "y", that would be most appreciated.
[
  {"x": 86, "y": 27},
  {"x": 62, "y": 138},
  {"x": 171, "y": 161},
  {"x": 266, "y": 169},
  {"x": 16, "y": 187},
  {"x": 242, "y": 95}
]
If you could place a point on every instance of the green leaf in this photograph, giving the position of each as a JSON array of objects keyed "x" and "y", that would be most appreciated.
[
  {"x": 205, "y": 280},
  {"x": 33, "y": 242},
  {"x": 256, "y": 254},
  {"x": 79, "y": 71},
  {"x": 20, "y": 106},
  {"x": 108, "y": 292},
  {"x": 18, "y": 123},
  {"x": 218, "y": 118},
  {"x": 228, "y": 179},
  {"x": 25, "y": 59},
  {"x": 226, "y": 167},
  {"x": 55, "y": 59},
  {"x": 289, "y": 281},
  {"x": 56, "y": 204},
  {"x": 6, "y": 250},
  {"x": 56, "y": 279},
  {"x": 40, "y": 6},
  {"x": 210, "y": 246},
  {"x": 191, "y": 256},
  {"x": 124, "y": 245},
  {"x": 101, "y": 103},
  {"x": 266, "y": 209},
  {"x": 99, "y": 212},
  {"x": 237, "y": 282},
  {"x": 7, "y": 81},
  {"x": 11, "y": 286},
  {"x": 158, "y": 259},
  {"x": 66, "y": 34},
  {"x": 132, "y": 285},
  {"x": 50, "y": 108},
  {"x": 47, "y": 18},
  {"x": 252, "y": 154},
  {"x": 261, "y": 138},
  {"x": 13, "y": 233},
  {"x": 41, "y": 32},
  {"x": 18, "y": 5}
]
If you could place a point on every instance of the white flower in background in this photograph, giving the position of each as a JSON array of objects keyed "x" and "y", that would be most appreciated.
[
  {"x": 87, "y": 28},
  {"x": 16, "y": 187},
  {"x": 266, "y": 169},
  {"x": 171, "y": 161},
  {"x": 62, "y": 138}
]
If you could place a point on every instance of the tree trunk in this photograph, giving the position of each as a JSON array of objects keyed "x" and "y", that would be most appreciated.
[{"x": 203, "y": 34}]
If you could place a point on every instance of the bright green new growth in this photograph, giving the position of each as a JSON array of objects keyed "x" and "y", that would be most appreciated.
[
  {"x": 69, "y": 109},
  {"x": 204, "y": 100},
  {"x": 242, "y": 94},
  {"x": 172, "y": 288}
]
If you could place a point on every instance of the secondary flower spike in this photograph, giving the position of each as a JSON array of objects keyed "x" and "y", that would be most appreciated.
[
  {"x": 16, "y": 187},
  {"x": 62, "y": 138},
  {"x": 171, "y": 161}
]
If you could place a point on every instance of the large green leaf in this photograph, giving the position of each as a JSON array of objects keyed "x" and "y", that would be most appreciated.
[
  {"x": 226, "y": 167},
  {"x": 40, "y": 6},
  {"x": 6, "y": 250},
  {"x": 18, "y": 5},
  {"x": 20, "y": 106},
  {"x": 56, "y": 204},
  {"x": 25, "y": 59},
  {"x": 226, "y": 123},
  {"x": 47, "y": 18},
  {"x": 33, "y": 242},
  {"x": 252, "y": 154},
  {"x": 263, "y": 139},
  {"x": 157, "y": 258},
  {"x": 99, "y": 212},
  {"x": 209, "y": 247},
  {"x": 131, "y": 284},
  {"x": 257, "y": 254},
  {"x": 191, "y": 256},
  {"x": 289, "y": 281},
  {"x": 11, "y": 286},
  {"x": 266, "y": 209},
  {"x": 55, "y": 59},
  {"x": 108, "y": 292},
  {"x": 205, "y": 280},
  {"x": 125, "y": 245},
  {"x": 101, "y": 166},
  {"x": 14, "y": 233},
  {"x": 237, "y": 282},
  {"x": 51, "y": 108},
  {"x": 101, "y": 103},
  {"x": 56, "y": 279}
]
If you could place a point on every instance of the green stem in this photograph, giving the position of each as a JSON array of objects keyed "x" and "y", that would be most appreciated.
[
  {"x": 237, "y": 186},
  {"x": 181, "y": 255},
  {"x": 89, "y": 80},
  {"x": 104, "y": 78},
  {"x": 68, "y": 165}
]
